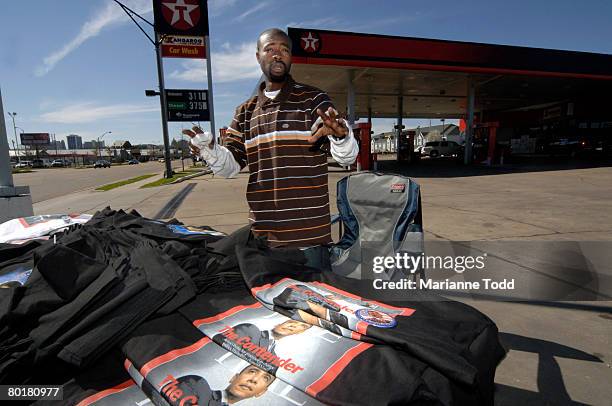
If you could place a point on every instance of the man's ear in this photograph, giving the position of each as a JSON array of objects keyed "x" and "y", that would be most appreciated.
[{"x": 257, "y": 55}]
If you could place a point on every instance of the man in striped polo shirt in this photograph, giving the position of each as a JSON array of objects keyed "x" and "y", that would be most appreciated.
[{"x": 275, "y": 134}]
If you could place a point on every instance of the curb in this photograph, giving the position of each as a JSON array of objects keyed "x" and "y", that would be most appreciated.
[{"x": 195, "y": 175}]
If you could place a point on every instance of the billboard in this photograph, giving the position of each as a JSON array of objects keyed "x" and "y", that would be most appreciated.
[{"x": 35, "y": 139}]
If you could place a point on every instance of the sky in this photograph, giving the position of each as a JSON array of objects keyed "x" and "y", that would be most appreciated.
[{"x": 81, "y": 67}]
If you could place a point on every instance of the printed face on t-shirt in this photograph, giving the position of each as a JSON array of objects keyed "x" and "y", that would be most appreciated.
[
  {"x": 250, "y": 382},
  {"x": 290, "y": 327}
]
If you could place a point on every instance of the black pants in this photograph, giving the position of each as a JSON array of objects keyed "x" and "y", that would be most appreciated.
[{"x": 317, "y": 257}]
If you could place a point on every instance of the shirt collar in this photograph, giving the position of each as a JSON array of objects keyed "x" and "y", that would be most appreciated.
[{"x": 282, "y": 96}]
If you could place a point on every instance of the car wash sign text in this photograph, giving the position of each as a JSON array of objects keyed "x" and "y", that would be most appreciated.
[{"x": 183, "y": 24}]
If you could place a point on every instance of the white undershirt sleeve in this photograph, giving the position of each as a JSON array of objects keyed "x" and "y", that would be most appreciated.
[
  {"x": 219, "y": 159},
  {"x": 343, "y": 150}
]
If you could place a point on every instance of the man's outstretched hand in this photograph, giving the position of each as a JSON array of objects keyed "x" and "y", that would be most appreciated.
[
  {"x": 331, "y": 126},
  {"x": 205, "y": 137}
]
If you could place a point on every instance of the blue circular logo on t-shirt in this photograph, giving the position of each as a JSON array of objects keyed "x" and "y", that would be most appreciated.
[{"x": 376, "y": 318}]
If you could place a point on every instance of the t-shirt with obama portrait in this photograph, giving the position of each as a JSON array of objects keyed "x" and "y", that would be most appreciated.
[{"x": 185, "y": 367}]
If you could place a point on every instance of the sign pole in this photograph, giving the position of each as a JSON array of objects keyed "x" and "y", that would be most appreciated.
[
  {"x": 182, "y": 145},
  {"x": 6, "y": 174},
  {"x": 15, "y": 201},
  {"x": 211, "y": 109},
  {"x": 164, "y": 112}
]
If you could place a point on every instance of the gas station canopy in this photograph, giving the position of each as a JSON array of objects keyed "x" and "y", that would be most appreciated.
[{"x": 433, "y": 76}]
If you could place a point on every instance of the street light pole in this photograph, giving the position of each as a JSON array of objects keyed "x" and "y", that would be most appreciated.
[
  {"x": 13, "y": 114},
  {"x": 55, "y": 142},
  {"x": 98, "y": 143},
  {"x": 21, "y": 131}
]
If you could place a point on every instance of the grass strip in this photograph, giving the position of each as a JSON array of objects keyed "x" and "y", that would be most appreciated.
[
  {"x": 124, "y": 182},
  {"x": 165, "y": 181}
]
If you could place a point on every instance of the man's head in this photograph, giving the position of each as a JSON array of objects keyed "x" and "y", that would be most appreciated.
[
  {"x": 274, "y": 54},
  {"x": 250, "y": 382},
  {"x": 289, "y": 327}
]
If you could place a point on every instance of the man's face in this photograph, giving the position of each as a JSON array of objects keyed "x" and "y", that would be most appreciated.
[
  {"x": 290, "y": 327},
  {"x": 274, "y": 57},
  {"x": 250, "y": 382}
]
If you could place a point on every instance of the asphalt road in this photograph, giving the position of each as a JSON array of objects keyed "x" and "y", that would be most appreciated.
[{"x": 53, "y": 182}]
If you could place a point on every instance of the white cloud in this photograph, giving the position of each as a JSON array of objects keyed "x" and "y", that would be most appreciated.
[
  {"x": 250, "y": 11},
  {"x": 329, "y": 23},
  {"x": 228, "y": 66},
  {"x": 89, "y": 111},
  {"x": 110, "y": 14},
  {"x": 218, "y": 7}
]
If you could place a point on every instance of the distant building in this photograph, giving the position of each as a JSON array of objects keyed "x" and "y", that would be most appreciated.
[
  {"x": 74, "y": 141},
  {"x": 386, "y": 142},
  {"x": 57, "y": 145},
  {"x": 445, "y": 132},
  {"x": 93, "y": 144},
  {"x": 383, "y": 143}
]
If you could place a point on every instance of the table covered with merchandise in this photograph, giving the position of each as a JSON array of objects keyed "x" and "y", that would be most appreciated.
[{"x": 119, "y": 309}]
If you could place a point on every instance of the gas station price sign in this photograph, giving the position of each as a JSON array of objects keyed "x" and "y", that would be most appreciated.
[{"x": 187, "y": 105}]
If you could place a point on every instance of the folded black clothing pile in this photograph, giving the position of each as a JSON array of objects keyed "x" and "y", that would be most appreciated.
[{"x": 93, "y": 285}]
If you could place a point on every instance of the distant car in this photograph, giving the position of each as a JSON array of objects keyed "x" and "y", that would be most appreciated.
[
  {"x": 161, "y": 160},
  {"x": 572, "y": 146},
  {"x": 102, "y": 164},
  {"x": 435, "y": 149},
  {"x": 24, "y": 164},
  {"x": 133, "y": 162},
  {"x": 39, "y": 163},
  {"x": 58, "y": 163}
]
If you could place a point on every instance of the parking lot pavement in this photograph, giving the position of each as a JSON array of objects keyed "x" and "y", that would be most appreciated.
[
  {"x": 146, "y": 201},
  {"x": 572, "y": 204},
  {"x": 50, "y": 183},
  {"x": 558, "y": 353}
]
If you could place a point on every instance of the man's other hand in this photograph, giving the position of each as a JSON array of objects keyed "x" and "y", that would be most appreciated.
[{"x": 332, "y": 125}]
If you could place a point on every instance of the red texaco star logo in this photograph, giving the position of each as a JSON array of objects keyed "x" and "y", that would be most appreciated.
[
  {"x": 181, "y": 14},
  {"x": 310, "y": 42}
]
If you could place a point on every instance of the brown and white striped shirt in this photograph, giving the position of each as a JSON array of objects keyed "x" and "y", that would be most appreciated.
[{"x": 287, "y": 189}]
